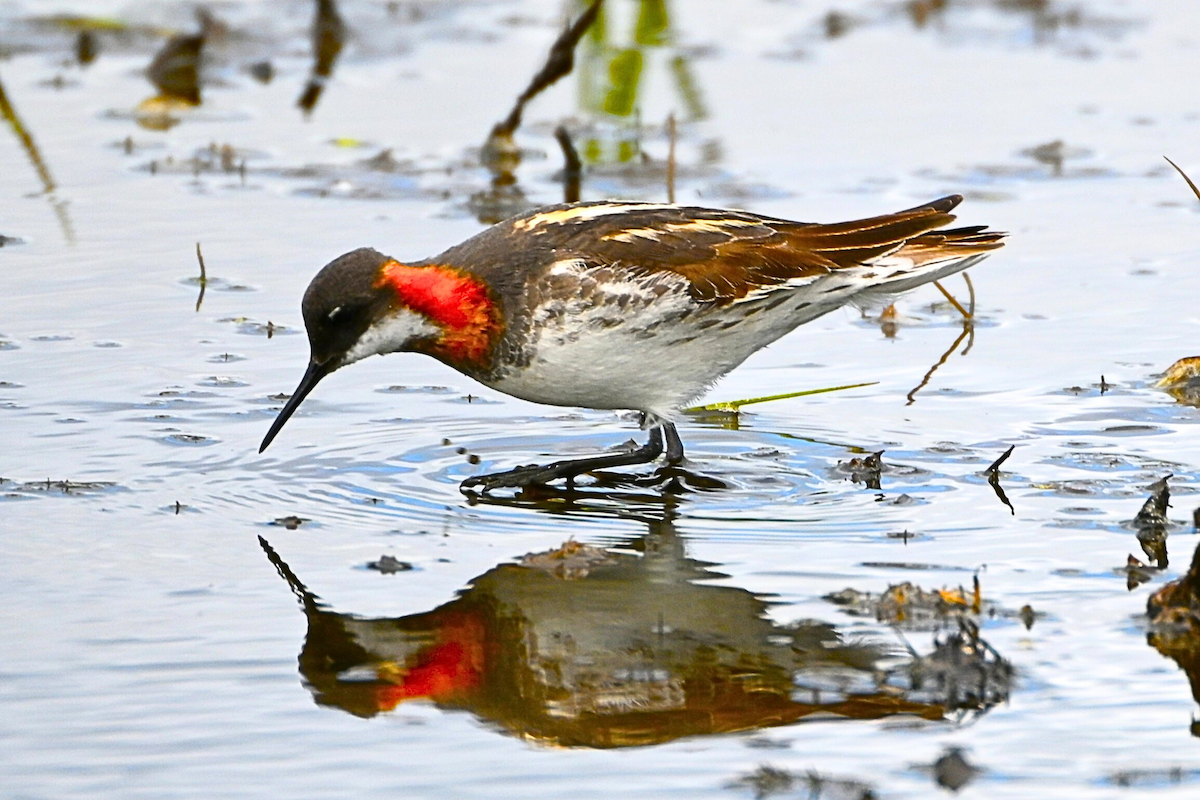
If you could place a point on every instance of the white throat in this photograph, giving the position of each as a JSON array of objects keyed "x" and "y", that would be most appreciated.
[{"x": 389, "y": 334}]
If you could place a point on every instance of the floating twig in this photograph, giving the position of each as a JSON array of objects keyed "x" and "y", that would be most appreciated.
[
  {"x": 1185, "y": 177},
  {"x": 203, "y": 277},
  {"x": 175, "y": 70},
  {"x": 993, "y": 476},
  {"x": 994, "y": 469}
]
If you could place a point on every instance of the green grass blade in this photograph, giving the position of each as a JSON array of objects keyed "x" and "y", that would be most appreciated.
[{"x": 734, "y": 405}]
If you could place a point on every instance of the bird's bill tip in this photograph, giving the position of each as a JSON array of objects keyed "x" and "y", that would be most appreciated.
[{"x": 312, "y": 377}]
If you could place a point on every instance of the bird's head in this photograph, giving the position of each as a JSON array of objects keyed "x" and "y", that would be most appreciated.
[{"x": 364, "y": 303}]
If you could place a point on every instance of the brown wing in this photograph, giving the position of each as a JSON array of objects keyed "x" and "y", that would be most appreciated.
[{"x": 726, "y": 255}]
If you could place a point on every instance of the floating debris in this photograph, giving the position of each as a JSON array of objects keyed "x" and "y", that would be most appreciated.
[
  {"x": 867, "y": 470},
  {"x": 86, "y": 47},
  {"x": 1174, "y": 625},
  {"x": 1053, "y": 154},
  {"x": 261, "y": 71},
  {"x": 909, "y": 605},
  {"x": 572, "y": 561},
  {"x": 1182, "y": 380},
  {"x": 291, "y": 522},
  {"x": 1151, "y": 522},
  {"x": 766, "y": 781},
  {"x": 952, "y": 770},
  {"x": 964, "y": 672},
  {"x": 1136, "y": 572},
  {"x": 389, "y": 565},
  {"x": 993, "y": 476},
  {"x": 175, "y": 71}
]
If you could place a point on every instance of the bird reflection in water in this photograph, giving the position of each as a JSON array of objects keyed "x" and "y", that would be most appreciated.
[{"x": 591, "y": 647}]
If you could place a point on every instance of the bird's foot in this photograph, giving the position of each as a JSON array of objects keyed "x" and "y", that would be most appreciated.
[{"x": 533, "y": 474}]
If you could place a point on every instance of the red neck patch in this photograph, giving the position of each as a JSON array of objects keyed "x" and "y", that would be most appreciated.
[{"x": 459, "y": 304}]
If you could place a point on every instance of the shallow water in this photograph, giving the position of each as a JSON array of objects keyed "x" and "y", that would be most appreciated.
[{"x": 151, "y": 643}]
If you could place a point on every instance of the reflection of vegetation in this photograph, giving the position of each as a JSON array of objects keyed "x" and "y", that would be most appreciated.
[
  {"x": 500, "y": 153},
  {"x": 1174, "y": 613},
  {"x": 35, "y": 157},
  {"x": 613, "y": 67},
  {"x": 328, "y": 36}
]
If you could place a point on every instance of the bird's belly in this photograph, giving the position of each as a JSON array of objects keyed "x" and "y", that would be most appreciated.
[
  {"x": 603, "y": 374},
  {"x": 658, "y": 370}
]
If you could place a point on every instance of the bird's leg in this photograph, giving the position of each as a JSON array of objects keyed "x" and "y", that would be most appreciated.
[
  {"x": 674, "y": 444},
  {"x": 534, "y": 474}
]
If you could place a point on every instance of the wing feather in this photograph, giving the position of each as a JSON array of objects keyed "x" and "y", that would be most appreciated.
[{"x": 726, "y": 256}]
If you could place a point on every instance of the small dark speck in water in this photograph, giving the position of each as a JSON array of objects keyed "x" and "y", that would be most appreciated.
[
  {"x": 952, "y": 770},
  {"x": 261, "y": 71},
  {"x": 1027, "y": 615},
  {"x": 189, "y": 439},
  {"x": 225, "y": 358},
  {"x": 107, "y": 345},
  {"x": 389, "y": 565},
  {"x": 290, "y": 522},
  {"x": 1136, "y": 572},
  {"x": 472, "y": 459},
  {"x": 1154, "y": 777},
  {"x": 7, "y": 240}
]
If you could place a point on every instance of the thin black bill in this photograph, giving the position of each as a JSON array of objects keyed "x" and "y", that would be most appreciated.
[{"x": 311, "y": 378}]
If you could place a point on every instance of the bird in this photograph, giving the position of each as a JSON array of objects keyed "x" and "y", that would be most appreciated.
[{"x": 618, "y": 305}]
